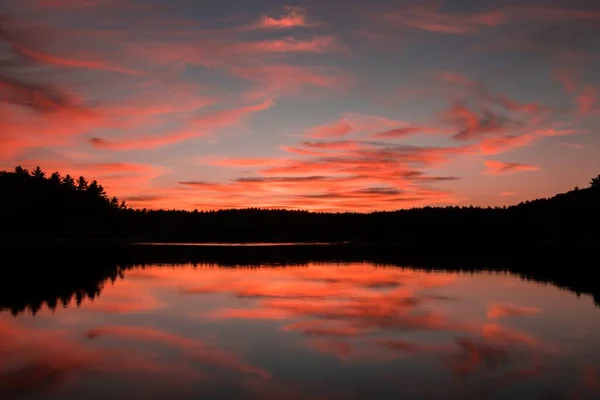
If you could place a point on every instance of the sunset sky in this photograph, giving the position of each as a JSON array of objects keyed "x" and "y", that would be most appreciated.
[{"x": 320, "y": 105}]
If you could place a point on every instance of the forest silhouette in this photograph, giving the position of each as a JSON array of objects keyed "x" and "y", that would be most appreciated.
[
  {"x": 64, "y": 238},
  {"x": 59, "y": 276},
  {"x": 35, "y": 205}
]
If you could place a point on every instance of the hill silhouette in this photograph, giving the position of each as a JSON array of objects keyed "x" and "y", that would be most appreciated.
[{"x": 34, "y": 205}]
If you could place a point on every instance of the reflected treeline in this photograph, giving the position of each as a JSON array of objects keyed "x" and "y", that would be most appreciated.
[
  {"x": 33, "y": 279},
  {"x": 34, "y": 205},
  {"x": 56, "y": 277}
]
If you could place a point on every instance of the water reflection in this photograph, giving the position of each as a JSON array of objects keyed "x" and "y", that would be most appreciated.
[{"x": 325, "y": 331}]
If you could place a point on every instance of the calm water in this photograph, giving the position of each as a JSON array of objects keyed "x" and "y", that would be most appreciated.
[{"x": 323, "y": 331}]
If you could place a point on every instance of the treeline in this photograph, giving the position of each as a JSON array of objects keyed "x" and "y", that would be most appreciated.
[{"x": 34, "y": 205}]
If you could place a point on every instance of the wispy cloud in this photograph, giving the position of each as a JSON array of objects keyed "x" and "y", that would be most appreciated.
[
  {"x": 506, "y": 168},
  {"x": 201, "y": 126},
  {"x": 434, "y": 18}
]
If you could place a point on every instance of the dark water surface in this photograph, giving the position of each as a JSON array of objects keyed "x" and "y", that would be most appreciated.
[{"x": 319, "y": 331}]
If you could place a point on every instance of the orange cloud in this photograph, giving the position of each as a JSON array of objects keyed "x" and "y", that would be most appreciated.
[
  {"x": 192, "y": 348},
  {"x": 294, "y": 18},
  {"x": 500, "y": 334},
  {"x": 504, "y": 168},
  {"x": 496, "y": 311},
  {"x": 253, "y": 314},
  {"x": 321, "y": 328},
  {"x": 43, "y": 359}
]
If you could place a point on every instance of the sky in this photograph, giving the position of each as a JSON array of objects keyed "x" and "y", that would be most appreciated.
[{"x": 317, "y": 105}]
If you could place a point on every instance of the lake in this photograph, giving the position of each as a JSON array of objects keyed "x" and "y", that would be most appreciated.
[{"x": 349, "y": 330}]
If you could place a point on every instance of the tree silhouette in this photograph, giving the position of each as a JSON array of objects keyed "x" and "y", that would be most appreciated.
[
  {"x": 68, "y": 182},
  {"x": 21, "y": 171},
  {"x": 114, "y": 202},
  {"x": 38, "y": 173},
  {"x": 595, "y": 182},
  {"x": 96, "y": 190},
  {"x": 56, "y": 178},
  {"x": 82, "y": 184}
]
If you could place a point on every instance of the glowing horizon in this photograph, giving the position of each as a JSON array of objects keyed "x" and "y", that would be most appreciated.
[{"x": 301, "y": 106}]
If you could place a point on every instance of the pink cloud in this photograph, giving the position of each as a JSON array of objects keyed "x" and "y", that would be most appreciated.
[
  {"x": 46, "y": 123},
  {"x": 586, "y": 100},
  {"x": 457, "y": 78},
  {"x": 191, "y": 347},
  {"x": 504, "y": 168},
  {"x": 351, "y": 123},
  {"x": 49, "y": 59},
  {"x": 514, "y": 105},
  {"x": 320, "y": 44},
  {"x": 144, "y": 142},
  {"x": 505, "y": 143},
  {"x": 471, "y": 125},
  {"x": 501, "y": 144},
  {"x": 283, "y": 79},
  {"x": 239, "y": 162},
  {"x": 483, "y": 94},
  {"x": 572, "y": 145},
  {"x": 323, "y": 148},
  {"x": 567, "y": 77},
  {"x": 431, "y": 18},
  {"x": 198, "y": 127},
  {"x": 86, "y": 4},
  {"x": 337, "y": 129},
  {"x": 397, "y": 133},
  {"x": 294, "y": 18}
]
